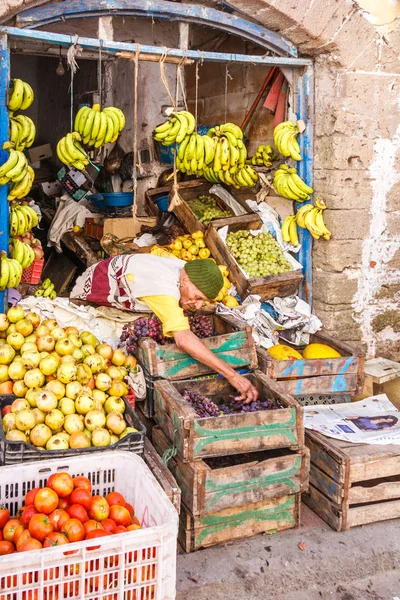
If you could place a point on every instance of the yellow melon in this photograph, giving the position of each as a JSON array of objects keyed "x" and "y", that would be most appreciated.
[
  {"x": 320, "y": 351},
  {"x": 282, "y": 352}
]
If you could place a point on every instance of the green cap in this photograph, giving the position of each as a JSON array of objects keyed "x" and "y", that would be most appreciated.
[{"x": 206, "y": 276}]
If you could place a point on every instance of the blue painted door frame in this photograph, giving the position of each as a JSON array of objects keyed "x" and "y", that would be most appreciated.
[{"x": 285, "y": 55}]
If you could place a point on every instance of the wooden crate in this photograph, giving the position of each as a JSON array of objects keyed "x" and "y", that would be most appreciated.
[
  {"x": 196, "y": 437},
  {"x": 269, "y": 516},
  {"x": 352, "y": 484},
  {"x": 216, "y": 484},
  {"x": 317, "y": 376},
  {"x": 237, "y": 349},
  {"x": 192, "y": 190},
  {"x": 162, "y": 474},
  {"x": 284, "y": 284}
]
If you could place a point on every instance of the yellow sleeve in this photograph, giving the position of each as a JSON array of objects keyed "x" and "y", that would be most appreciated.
[{"x": 169, "y": 312}]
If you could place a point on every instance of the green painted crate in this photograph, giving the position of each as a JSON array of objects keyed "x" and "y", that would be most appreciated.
[
  {"x": 167, "y": 361},
  {"x": 196, "y": 438},
  {"x": 216, "y": 484}
]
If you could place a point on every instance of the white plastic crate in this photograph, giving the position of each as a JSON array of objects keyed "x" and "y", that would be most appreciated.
[{"x": 137, "y": 565}]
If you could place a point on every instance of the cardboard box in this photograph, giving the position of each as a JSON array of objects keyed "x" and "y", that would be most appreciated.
[
  {"x": 39, "y": 153},
  {"x": 52, "y": 188},
  {"x": 127, "y": 227},
  {"x": 74, "y": 182}
]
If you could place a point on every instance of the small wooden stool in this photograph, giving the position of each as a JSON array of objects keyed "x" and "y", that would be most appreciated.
[{"x": 381, "y": 370}]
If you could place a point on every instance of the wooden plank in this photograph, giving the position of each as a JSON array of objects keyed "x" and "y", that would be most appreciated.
[
  {"x": 362, "y": 494},
  {"x": 239, "y": 522},
  {"x": 61, "y": 270},
  {"x": 267, "y": 287},
  {"x": 205, "y": 489},
  {"x": 227, "y": 434},
  {"x": 325, "y": 456},
  {"x": 375, "y": 512},
  {"x": 325, "y": 484},
  {"x": 325, "y": 384},
  {"x": 236, "y": 349},
  {"x": 324, "y": 508},
  {"x": 162, "y": 474},
  {"x": 386, "y": 466}
]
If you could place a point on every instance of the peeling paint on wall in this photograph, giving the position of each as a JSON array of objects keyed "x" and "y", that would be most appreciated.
[{"x": 378, "y": 250}]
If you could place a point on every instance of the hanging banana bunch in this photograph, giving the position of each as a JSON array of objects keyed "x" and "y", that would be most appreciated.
[
  {"x": 311, "y": 217},
  {"x": 22, "y": 132},
  {"x": 285, "y": 140},
  {"x": 97, "y": 127},
  {"x": 10, "y": 272},
  {"x": 263, "y": 157},
  {"x": 17, "y": 172},
  {"x": 179, "y": 125},
  {"x": 289, "y": 185},
  {"x": 22, "y": 220},
  {"x": 20, "y": 95},
  {"x": 194, "y": 154},
  {"x": 71, "y": 153}
]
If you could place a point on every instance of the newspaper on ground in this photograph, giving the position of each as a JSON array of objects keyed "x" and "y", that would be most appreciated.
[{"x": 374, "y": 420}]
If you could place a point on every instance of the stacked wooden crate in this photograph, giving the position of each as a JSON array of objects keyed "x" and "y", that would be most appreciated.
[{"x": 240, "y": 474}]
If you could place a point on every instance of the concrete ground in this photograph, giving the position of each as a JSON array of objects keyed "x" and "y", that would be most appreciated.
[{"x": 361, "y": 564}]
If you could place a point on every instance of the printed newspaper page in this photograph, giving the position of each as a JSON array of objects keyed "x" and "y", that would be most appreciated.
[{"x": 374, "y": 420}]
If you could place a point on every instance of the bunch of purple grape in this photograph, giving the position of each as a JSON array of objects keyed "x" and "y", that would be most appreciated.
[
  {"x": 144, "y": 327},
  {"x": 238, "y": 406},
  {"x": 201, "y": 325},
  {"x": 203, "y": 406}
]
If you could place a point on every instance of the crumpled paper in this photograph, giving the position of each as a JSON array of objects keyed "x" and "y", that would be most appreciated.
[{"x": 289, "y": 318}]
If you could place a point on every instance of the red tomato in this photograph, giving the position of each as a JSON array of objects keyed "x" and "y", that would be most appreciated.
[
  {"x": 9, "y": 529},
  {"x": 109, "y": 525},
  {"x": 62, "y": 484},
  {"x": 93, "y": 525},
  {"x": 50, "y": 480},
  {"x": 27, "y": 514},
  {"x": 6, "y": 548},
  {"x": 46, "y": 500},
  {"x": 130, "y": 508},
  {"x": 121, "y": 529},
  {"x": 40, "y": 526},
  {"x": 135, "y": 521},
  {"x": 76, "y": 511},
  {"x": 99, "y": 508},
  {"x": 133, "y": 527},
  {"x": 84, "y": 482},
  {"x": 25, "y": 535},
  {"x": 4, "y": 516},
  {"x": 1, "y": 536},
  {"x": 64, "y": 503},
  {"x": 17, "y": 533},
  {"x": 31, "y": 544},
  {"x": 55, "y": 539},
  {"x": 74, "y": 530},
  {"x": 115, "y": 498},
  {"x": 30, "y": 497},
  {"x": 81, "y": 496},
  {"x": 120, "y": 515},
  {"x": 58, "y": 517},
  {"x": 96, "y": 533}
]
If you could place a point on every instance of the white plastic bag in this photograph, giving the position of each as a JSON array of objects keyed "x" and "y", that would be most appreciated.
[
  {"x": 137, "y": 383},
  {"x": 233, "y": 204}
]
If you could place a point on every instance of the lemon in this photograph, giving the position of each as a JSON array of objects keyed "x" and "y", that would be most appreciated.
[
  {"x": 176, "y": 245},
  {"x": 204, "y": 253},
  {"x": 199, "y": 242},
  {"x": 193, "y": 249},
  {"x": 320, "y": 351},
  {"x": 224, "y": 270},
  {"x": 197, "y": 235},
  {"x": 187, "y": 243},
  {"x": 230, "y": 301}
]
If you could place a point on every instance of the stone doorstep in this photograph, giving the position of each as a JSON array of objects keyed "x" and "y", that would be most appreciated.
[{"x": 277, "y": 564}]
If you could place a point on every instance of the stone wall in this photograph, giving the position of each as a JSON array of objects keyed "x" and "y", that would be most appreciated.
[{"x": 357, "y": 156}]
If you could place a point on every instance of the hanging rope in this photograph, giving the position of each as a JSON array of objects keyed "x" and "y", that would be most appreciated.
[
  {"x": 163, "y": 77},
  {"x": 135, "y": 133},
  {"x": 179, "y": 78},
  {"x": 227, "y": 75},
  {"x": 73, "y": 52},
  {"x": 100, "y": 75},
  {"x": 197, "y": 77}
]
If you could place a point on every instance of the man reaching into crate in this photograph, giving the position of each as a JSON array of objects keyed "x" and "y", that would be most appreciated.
[{"x": 167, "y": 287}]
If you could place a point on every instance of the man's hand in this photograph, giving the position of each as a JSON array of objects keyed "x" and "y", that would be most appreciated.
[{"x": 248, "y": 393}]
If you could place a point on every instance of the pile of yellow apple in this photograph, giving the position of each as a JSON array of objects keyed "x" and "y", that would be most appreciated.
[
  {"x": 186, "y": 247},
  {"x": 69, "y": 387}
]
